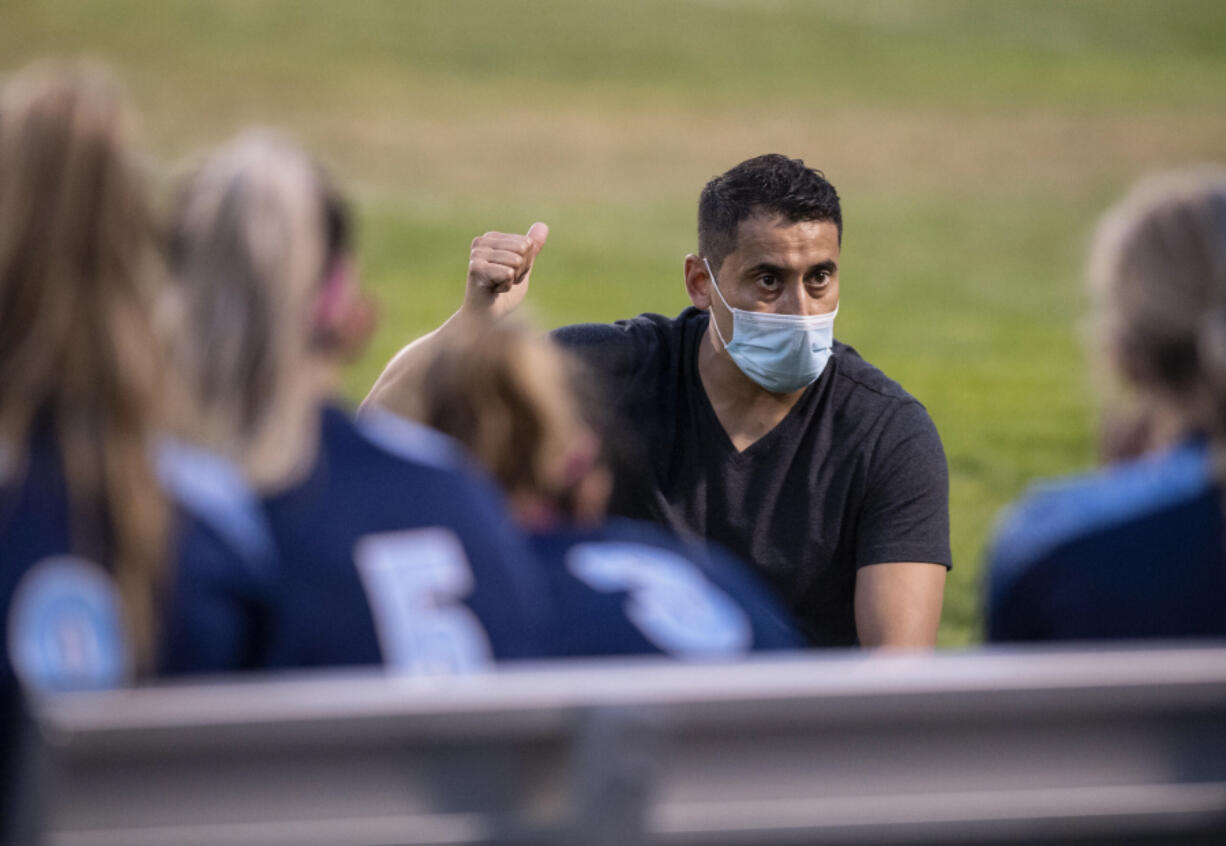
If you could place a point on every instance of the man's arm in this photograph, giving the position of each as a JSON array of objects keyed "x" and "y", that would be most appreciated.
[
  {"x": 903, "y": 544},
  {"x": 898, "y": 604},
  {"x": 499, "y": 266}
]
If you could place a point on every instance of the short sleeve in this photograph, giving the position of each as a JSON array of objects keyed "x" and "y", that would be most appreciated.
[
  {"x": 617, "y": 352},
  {"x": 905, "y": 512}
]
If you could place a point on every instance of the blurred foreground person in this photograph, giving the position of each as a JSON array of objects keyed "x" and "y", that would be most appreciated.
[
  {"x": 391, "y": 550},
  {"x": 97, "y": 520},
  {"x": 1137, "y": 549},
  {"x": 623, "y": 586}
]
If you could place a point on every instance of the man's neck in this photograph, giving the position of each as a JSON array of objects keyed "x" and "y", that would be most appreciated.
[{"x": 745, "y": 409}]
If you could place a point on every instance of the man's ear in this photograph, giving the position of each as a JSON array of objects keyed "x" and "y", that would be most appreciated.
[{"x": 697, "y": 282}]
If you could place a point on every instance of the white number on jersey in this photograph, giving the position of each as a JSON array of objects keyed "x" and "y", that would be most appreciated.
[
  {"x": 414, "y": 581},
  {"x": 671, "y": 602},
  {"x": 65, "y": 627}
]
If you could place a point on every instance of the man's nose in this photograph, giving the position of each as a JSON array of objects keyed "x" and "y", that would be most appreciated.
[{"x": 796, "y": 300}]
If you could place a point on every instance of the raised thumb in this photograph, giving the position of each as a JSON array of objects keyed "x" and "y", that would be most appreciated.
[{"x": 537, "y": 234}]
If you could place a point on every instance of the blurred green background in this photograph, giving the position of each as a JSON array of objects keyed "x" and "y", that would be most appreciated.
[{"x": 973, "y": 143}]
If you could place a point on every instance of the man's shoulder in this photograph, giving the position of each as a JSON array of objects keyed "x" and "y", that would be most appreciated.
[
  {"x": 864, "y": 381},
  {"x": 634, "y": 355},
  {"x": 646, "y": 331},
  {"x": 1054, "y": 515},
  {"x": 871, "y": 408}
]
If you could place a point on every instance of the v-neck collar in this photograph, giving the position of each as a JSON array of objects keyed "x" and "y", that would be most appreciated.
[{"x": 767, "y": 440}]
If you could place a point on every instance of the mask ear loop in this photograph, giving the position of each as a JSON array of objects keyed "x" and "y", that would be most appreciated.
[{"x": 720, "y": 294}]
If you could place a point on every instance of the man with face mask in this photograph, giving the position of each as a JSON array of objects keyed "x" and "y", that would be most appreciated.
[{"x": 761, "y": 431}]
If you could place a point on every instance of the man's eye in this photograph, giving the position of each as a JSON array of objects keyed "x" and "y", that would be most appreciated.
[
  {"x": 768, "y": 280},
  {"x": 821, "y": 277}
]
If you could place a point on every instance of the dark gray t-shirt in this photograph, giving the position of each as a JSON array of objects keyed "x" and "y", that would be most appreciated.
[{"x": 854, "y": 475}]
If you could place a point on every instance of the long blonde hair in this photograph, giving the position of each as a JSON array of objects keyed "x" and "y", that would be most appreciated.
[
  {"x": 247, "y": 248},
  {"x": 77, "y": 274},
  {"x": 1158, "y": 282}
]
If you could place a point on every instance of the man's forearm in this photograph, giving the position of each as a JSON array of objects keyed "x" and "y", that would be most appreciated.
[{"x": 392, "y": 390}]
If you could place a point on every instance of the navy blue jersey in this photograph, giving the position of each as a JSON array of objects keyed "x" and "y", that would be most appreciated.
[
  {"x": 63, "y": 623},
  {"x": 394, "y": 550},
  {"x": 1134, "y": 551},
  {"x": 629, "y": 587}
]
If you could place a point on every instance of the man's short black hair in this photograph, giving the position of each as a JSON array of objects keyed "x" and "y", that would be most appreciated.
[{"x": 771, "y": 185}]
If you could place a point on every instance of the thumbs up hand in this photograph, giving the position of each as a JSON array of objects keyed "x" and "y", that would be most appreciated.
[{"x": 498, "y": 270}]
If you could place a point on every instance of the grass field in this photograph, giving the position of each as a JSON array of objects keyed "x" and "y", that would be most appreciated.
[{"x": 973, "y": 143}]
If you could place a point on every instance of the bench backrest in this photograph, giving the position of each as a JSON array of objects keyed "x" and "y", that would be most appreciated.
[{"x": 1085, "y": 746}]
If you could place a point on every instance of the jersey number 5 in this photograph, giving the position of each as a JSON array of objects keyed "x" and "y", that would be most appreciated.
[{"x": 414, "y": 581}]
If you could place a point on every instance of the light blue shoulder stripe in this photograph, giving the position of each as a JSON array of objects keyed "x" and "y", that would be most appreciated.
[
  {"x": 410, "y": 440},
  {"x": 1055, "y": 513},
  {"x": 215, "y": 492}
]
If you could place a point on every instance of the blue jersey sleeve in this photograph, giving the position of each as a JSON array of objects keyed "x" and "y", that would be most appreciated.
[
  {"x": 1132, "y": 550},
  {"x": 225, "y": 574}
]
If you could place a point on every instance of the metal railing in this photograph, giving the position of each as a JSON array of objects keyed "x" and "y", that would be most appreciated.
[{"x": 1061, "y": 746}]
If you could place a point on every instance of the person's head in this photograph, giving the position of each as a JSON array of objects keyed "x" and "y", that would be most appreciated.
[
  {"x": 260, "y": 256},
  {"x": 518, "y": 403},
  {"x": 769, "y": 236},
  {"x": 78, "y": 268},
  {"x": 769, "y": 186},
  {"x": 1157, "y": 277}
]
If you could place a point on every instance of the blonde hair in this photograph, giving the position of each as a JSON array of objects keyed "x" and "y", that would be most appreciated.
[
  {"x": 77, "y": 274},
  {"x": 248, "y": 251},
  {"x": 1158, "y": 282},
  {"x": 509, "y": 396}
]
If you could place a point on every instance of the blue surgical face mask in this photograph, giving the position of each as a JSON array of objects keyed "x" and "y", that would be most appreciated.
[{"x": 781, "y": 352}]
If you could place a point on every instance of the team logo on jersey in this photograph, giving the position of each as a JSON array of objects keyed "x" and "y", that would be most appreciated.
[{"x": 65, "y": 628}]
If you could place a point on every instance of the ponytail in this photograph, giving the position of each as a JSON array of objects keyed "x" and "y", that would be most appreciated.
[{"x": 77, "y": 265}]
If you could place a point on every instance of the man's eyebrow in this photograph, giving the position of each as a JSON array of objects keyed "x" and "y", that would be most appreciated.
[
  {"x": 766, "y": 267},
  {"x": 829, "y": 265}
]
